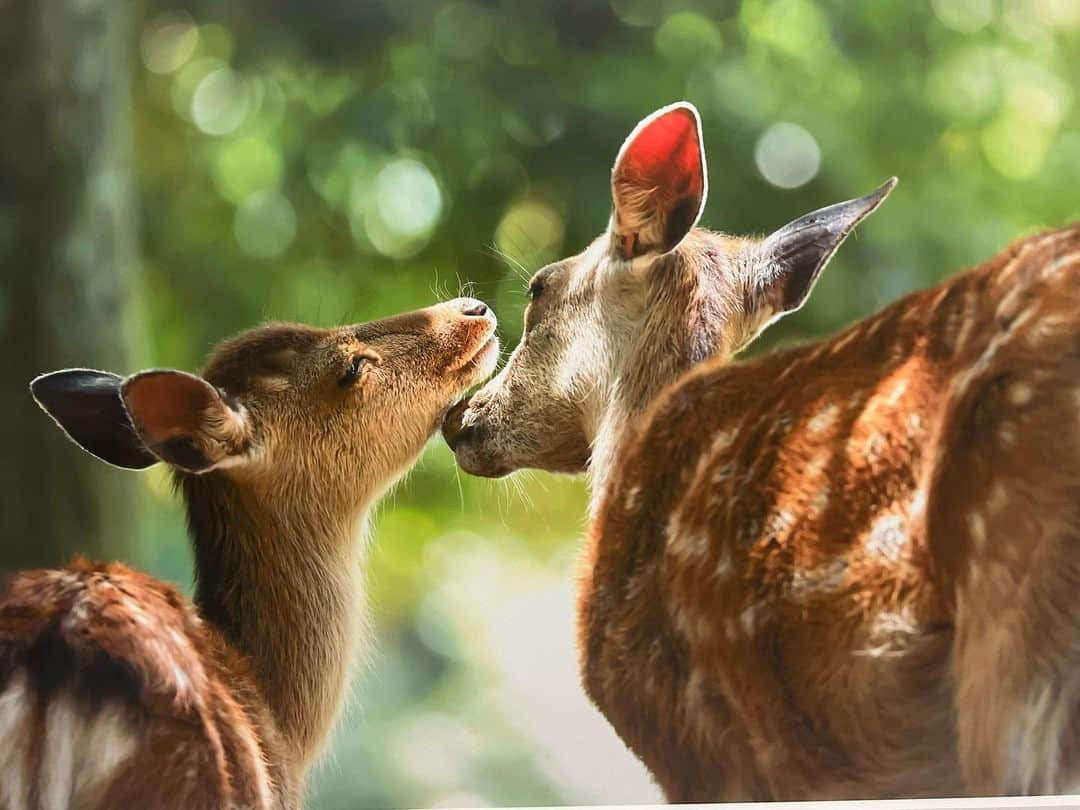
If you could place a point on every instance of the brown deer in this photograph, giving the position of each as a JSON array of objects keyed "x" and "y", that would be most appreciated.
[
  {"x": 115, "y": 690},
  {"x": 841, "y": 570}
]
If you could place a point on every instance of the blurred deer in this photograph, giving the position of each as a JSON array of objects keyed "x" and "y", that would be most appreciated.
[
  {"x": 115, "y": 690},
  {"x": 841, "y": 570}
]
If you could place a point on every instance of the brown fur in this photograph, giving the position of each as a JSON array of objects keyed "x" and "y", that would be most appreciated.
[
  {"x": 227, "y": 701},
  {"x": 784, "y": 598},
  {"x": 843, "y": 570}
]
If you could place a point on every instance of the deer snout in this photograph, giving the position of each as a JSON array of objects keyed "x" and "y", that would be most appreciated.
[{"x": 468, "y": 439}]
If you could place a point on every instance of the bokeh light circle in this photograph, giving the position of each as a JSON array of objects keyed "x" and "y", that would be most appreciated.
[{"x": 787, "y": 155}]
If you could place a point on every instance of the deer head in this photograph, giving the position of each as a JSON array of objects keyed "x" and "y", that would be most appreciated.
[
  {"x": 335, "y": 411},
  {"x": 650, "y": 297}
]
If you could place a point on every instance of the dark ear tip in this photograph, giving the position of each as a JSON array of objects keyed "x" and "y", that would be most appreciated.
[{"x": 877, "y": 196}]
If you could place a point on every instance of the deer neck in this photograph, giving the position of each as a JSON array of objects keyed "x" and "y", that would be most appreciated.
[
  {"x": 284, "y": 588},
  {"x": 687, "y": 307}
]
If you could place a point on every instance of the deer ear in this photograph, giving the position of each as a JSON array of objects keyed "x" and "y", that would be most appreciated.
[
  {"x": 658, "y": 184},
  {"x": 86, "y": 404},
  {"x": 185, "y": 421},
  {"x": 791, "y": 259}
]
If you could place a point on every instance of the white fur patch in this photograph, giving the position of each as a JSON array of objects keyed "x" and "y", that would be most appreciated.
[
  {"x": 898, "y": 392},
  {"x": 823, "y": 419},
  {"x": 1055, "y": 267},
  {"x": 1034, "y": 745},
  {"x": 998, "y": 498},
  {"x": 15, "y": 729},
  {"x": 820, "y": 580},
  {"x": 889, "y": 634},
  {"x": 887, "y": 538},
  {"x": 1006, "y": 435},
  {"x": 914, "y": 424},
  {"x": 918, "y": 503},
  {"x": 1020, "y": 393},
  {"x": 80, "y": 752},
  {"x": 977, "y": 526}
]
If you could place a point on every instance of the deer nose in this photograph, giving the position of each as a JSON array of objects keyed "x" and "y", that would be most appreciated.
[{"x": 472, "y": 307}]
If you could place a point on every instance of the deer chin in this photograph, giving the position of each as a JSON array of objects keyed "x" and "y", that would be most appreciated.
[{"x": 482, "y": 363}]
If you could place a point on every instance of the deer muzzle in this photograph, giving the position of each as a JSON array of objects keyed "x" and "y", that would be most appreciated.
[{"x": 470, "y": 442}]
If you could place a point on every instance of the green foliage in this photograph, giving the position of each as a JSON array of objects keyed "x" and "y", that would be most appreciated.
[{"x": 349, "y": 160}]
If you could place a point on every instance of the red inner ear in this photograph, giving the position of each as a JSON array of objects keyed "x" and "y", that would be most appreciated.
[
  {"x": 168, "y": 404},
  {"x": 666, "y": 152}
]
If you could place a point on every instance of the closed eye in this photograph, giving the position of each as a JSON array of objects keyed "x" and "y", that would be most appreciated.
[
  {"x": 352, "y": 373},
  {"x": 535, "y": 289}
]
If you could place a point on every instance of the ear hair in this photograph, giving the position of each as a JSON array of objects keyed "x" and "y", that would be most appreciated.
[
  {"x": 659, "y": 182},
  {"x": 186, "y": 421},
  {"x": 791, "y": 259}
]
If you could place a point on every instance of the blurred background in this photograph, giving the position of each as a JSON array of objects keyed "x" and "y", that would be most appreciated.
[{"x": 172, "y": 173}]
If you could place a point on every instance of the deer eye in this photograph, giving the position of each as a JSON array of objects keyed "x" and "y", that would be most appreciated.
[
  {"x": 352, "y": 373},
  {"x": 535, "y": 289}
]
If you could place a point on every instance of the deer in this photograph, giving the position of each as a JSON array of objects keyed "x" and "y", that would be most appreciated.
[
  {"x": 841, "y": 569},
  {"x": 118, "y": 691}
]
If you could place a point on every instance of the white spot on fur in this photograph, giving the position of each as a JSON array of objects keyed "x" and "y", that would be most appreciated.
[
  {"x": 818, "y": 464},
  {"x": 81, "y": 752},
  {"x": 62, "y": 728},
  {"x": 779, "y": 523},
  {"x": 750, "y": 618},
  {"x": 845, "y": 340},
  {"x": 889, "y": 634},
  {"x": 1055, "y": 267},
  {"x": 722, "y": 440},
  {"x": 1036, "y": 739},
  {"x": 694, "y": 544},
  {"x": 723, "y": 562},
  {"x": 110, "y": 740},
  {"x": 15, "y": 730},
  {"x": 887, "y": 537},
  {"x": 631, "y": 500},
  {"x": 898, "y": 392},
  {"x": 967, "y": 321},
  {"x": 823, "y": 419},
  {"x": 977, "y": 526},
  {"x": 1006, "y": 435},
  {"x": 722, "y": 473},
  {"x": 684, "y": 544},
  {"x": 918, "y": 503},
  {"x": 914, "y": 424},
  {"x": 258, "y": 764},
  {"x": 998, "y": 498},
  {"x": 821, "y": 499},
  {"x": 872, "y": 448},
  {"x": 1020, "y": 393},
  {"x": 820, "y": 580}
]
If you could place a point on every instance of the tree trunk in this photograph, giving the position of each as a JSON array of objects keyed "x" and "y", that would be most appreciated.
[{"x": 67, "y": 261}]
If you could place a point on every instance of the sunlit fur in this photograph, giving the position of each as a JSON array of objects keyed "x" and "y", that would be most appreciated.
[
  {"x": 116, "y": 691},
  {"x": 843, "y": 570},
  {"x": 849, "y": 569}
]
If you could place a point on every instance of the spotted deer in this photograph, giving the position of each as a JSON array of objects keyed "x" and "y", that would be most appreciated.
[
  {"x": 116, "y": 690},
  {"x": 845, "y": 569}
]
